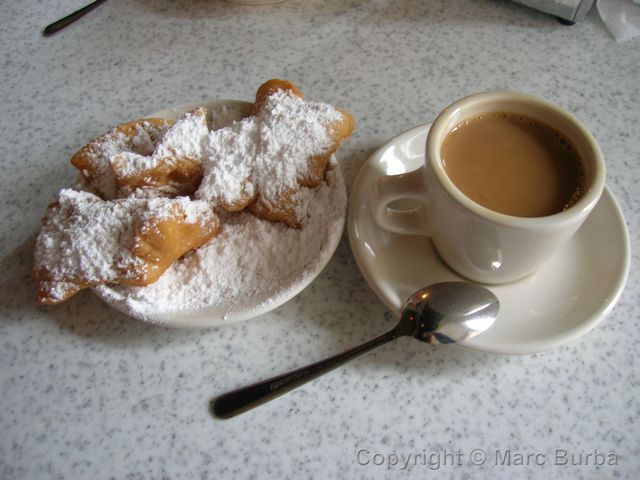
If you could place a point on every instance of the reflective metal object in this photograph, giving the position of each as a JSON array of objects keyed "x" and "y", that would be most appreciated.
[
  {"x": 445, "y": 313},
  {"x": 69, "y": 19},
  {"x": 449, "y": 312}
]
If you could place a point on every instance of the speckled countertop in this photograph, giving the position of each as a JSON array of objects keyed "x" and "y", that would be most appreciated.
[{"x": 86, "y": 392}]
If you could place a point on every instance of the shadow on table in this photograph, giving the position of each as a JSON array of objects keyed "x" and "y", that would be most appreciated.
[
  {"x": 83, "y": 315},
  {"x": 17, "y": 287}
]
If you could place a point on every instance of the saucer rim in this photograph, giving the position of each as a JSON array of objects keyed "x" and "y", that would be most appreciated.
[{"x": 591, "y": 321}]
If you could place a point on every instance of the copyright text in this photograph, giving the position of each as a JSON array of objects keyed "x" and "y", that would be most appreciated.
[{"x": 437, "y": 459}]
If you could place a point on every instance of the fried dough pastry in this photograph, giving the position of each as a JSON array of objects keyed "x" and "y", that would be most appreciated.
[
  {"x": 263, "y": 161},
  {"x": 139, "y": 136},
  {"x": 270, "y": 87},
  {"x": 175, "y": 164},
  {"x": 86, "y": 241},
  {"x": 146, "y": 157}
]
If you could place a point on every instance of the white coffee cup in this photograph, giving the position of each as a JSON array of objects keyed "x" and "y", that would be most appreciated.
[{"x": 481, "y": 244}]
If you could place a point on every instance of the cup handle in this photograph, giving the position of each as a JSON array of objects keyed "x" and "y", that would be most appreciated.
[{"x": 389, "y": 188}]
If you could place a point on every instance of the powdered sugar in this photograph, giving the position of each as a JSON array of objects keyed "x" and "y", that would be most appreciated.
[
  {"x": 83, "y": 237},
  {"x": 225, "y": 113},
  {"x": 101, "y": 151},
  {"x": 87, "y": 240},
  {"x": 183, "y": 140},
  {"x": 251, "y": 264},
  {"x": 268, "y": 152}
]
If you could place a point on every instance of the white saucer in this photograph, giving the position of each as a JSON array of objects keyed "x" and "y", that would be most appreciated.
[
  {"x": 565, "y": 299},
  {"x": 278, "y": 290}
]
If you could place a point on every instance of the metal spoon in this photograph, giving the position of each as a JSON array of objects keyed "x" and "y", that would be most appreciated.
[
  {"x": 445, "y": 312},
  {"x": 69, "y": 19}
]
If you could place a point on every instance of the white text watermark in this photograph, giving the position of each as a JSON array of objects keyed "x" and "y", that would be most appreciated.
[{"x": 438, "y": 459}]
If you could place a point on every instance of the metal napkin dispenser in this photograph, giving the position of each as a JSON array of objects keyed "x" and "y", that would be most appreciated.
[{"x": 568, "y": 10}]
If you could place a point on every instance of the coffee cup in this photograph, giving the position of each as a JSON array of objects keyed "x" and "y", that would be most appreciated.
[{"x": 496, "y": 219}]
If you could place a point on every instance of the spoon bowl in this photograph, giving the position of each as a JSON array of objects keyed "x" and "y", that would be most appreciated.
[{"x": 447, "y": 312}]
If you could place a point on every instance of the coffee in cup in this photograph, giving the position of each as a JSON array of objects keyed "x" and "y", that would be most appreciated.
[
  {"x": 513, "y": 164},
  {"x": 507, "y": 180}
]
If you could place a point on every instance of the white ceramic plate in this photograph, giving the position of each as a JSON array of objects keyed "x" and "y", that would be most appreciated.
[
  {"x": 242, "y": 307},
  {"x": 563, "y": 300}
]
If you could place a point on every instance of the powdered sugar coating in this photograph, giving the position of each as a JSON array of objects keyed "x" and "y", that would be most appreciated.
[
  {"x": 184, "y": 139},
  {"x": 250, "y": 265},
  {"x": 101, "y": 151},
  {"x": 85, "y": 240},
  {"x": 84, "y": 237},
  {"x": 268, "y": 152},
  {"x": 224, "y": 114}
]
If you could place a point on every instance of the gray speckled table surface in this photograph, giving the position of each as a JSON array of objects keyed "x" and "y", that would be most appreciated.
[{"x": 86, "y": 392}]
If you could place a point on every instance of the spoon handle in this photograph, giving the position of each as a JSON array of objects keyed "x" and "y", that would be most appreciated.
[
  {"x": 69, "y": 19},
  {"x": 246, "y": 398}
]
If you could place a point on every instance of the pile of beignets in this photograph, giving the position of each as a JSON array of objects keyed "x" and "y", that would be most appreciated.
[{"x": 152, "y": 190}]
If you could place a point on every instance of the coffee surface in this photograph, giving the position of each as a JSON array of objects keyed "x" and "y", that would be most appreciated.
[{"x": 513, "y": 164}]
